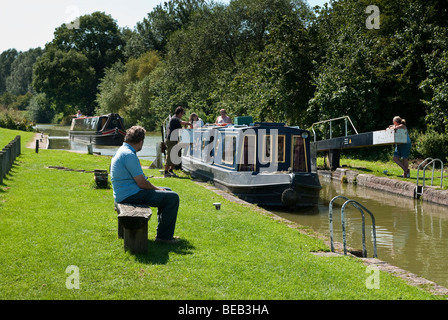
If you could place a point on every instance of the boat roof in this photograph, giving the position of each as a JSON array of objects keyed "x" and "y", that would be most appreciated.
[{"x": 258, "y": 125}]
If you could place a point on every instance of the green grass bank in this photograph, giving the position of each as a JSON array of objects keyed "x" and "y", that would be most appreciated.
[{"x": 52, "y": 219}]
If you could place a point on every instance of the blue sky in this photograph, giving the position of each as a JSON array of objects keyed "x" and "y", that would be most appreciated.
[{"x": 26, "y": 24}]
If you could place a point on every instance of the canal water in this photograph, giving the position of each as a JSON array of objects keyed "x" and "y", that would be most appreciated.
[
  {"x": 59, "y": 139},
  {"x": 411, "y": 234}
]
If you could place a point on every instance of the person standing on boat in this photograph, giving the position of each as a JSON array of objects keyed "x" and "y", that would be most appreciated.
[
  {"x": 131, "y": 186},
  {"x": 223, "y": 118},
  {"x": 402, "y": 151},
  {"x": 172, "y": 139},
  {"x": 195, "y": 121}
]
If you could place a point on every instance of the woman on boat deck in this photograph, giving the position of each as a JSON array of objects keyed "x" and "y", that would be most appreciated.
[
  {"x": 195, "y": 121},
  {"x": 402, "y": 151}
]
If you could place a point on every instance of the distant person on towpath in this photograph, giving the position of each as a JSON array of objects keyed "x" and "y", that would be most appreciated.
[
  {"x": 402, "y": 151},
  {"x": 130, "y": 185}
]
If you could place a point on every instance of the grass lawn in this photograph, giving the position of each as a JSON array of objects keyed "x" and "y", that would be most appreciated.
[
  {"x": 52, "y": 219},
  {"x": 390, "y": 169}
]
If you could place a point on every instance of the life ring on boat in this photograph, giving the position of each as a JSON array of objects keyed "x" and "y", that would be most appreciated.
[
  {"x": 221, "y": 124},
  {"x": 289, "y": 197}
]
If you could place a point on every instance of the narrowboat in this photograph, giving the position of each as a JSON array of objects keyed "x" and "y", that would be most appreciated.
[
  {"x": 105, "y": 130},
  {"x": 268, "y": 164}
]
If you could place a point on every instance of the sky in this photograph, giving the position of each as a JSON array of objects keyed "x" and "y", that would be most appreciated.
[{"x": 26, "y": 24}]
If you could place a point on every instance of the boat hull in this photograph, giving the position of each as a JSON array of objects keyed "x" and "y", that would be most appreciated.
[
  {"x": 105, "y": 130},
  {"x": 112, "y": 139},
  {"x": 276, "y": 189}
]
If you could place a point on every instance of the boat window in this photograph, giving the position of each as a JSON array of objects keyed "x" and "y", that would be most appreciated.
[
  {"x": 206, "y": 141},
  {"x": 197, "y": 144},
  {"x": 218, "y": 147},
  {"x": 102, "y": 123},
  {"x": 299, "y": 154},
  {"x": 248, "y": 154},
  {"x": 228, "y": 152},
  {"x": 281, "y": 145},
  {"x": 267, "y": 146}
]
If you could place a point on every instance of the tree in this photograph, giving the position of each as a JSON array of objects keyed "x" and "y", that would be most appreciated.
[
  {"x": 156, "y": 29},
  {"x": 67, "y": 80},
  {"x": 75, "y": 61},
  {"x": 235, "y": 57},
  {"x": 126, "y": 89},
  {"x": 40, "y": 109},
  {"x": 6, "y": 60},
  {"x": 98, "y": 38},
  {"x": 20, "y": 77}
]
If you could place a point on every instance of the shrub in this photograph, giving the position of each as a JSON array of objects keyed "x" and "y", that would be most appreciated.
[{"x": 433, "y": 144}]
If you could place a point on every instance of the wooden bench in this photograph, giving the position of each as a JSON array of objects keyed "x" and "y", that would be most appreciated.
[{"x": 133, "y": 226}]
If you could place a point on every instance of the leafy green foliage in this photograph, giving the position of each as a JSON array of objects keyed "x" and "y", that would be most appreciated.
[
  {"x": 276, "y": 60},
  {"x": 66, "y": 78}
]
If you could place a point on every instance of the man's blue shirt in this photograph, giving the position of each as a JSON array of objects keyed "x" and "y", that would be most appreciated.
[{"x": 124, "y": 167}]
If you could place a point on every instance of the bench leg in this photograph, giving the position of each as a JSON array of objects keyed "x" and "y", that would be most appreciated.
[
  {"x": 136, "y": 240},
  {"x": 120, "y": 230}
]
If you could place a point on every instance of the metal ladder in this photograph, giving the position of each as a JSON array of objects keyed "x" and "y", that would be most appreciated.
[
  {"x": 361, "y": 209},
  {"x": 428, "y": 161}
]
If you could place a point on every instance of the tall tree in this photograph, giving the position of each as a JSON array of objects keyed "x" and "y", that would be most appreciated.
[
  {"x": 6, "y": 60},
  {"x": 67, "y": 80},
  {"x": 156, "y": 29},
  {"x": 98, "y": 38},
  {"x": 20, "y": 78},
  {"x": 95, "y": 45},
  {"x": 372, "y": 71}
]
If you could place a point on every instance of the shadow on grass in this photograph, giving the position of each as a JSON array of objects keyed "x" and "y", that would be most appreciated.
[
  {"x": 7, "y": 178},
  {"x": 159, "y": 253}
]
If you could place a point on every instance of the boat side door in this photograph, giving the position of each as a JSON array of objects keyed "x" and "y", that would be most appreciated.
[
  {"x": 247, "y": 150},
  {"x": 225, "y": 149},
  {"x": 299, "y": 156}
]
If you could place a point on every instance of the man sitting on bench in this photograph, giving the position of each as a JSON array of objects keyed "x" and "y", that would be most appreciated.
[{"x": 130, "y": 185}]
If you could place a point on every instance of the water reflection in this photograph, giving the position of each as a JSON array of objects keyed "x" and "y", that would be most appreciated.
[
  {"x": 59, "y": 140},
  {"x": 411, "y": 234}
]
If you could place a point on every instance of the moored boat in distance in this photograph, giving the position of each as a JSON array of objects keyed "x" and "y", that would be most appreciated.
[
  {"x": 269, "y": 164},
  {"x": 106, "y": 130}
]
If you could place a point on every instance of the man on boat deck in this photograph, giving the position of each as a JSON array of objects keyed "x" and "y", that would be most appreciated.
[
  {"x": 130, "y": 185},
  {"x": 223, "y": 118}
]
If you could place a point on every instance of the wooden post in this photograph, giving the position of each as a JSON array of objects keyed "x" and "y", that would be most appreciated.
[
  {"x": 7, "y": 149},
  {"x": 3, "y": 163},
  {"x": 1, "y": 167},
  {"x": 37, "y": 145},
  {"x": 19, "y": 146}
]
